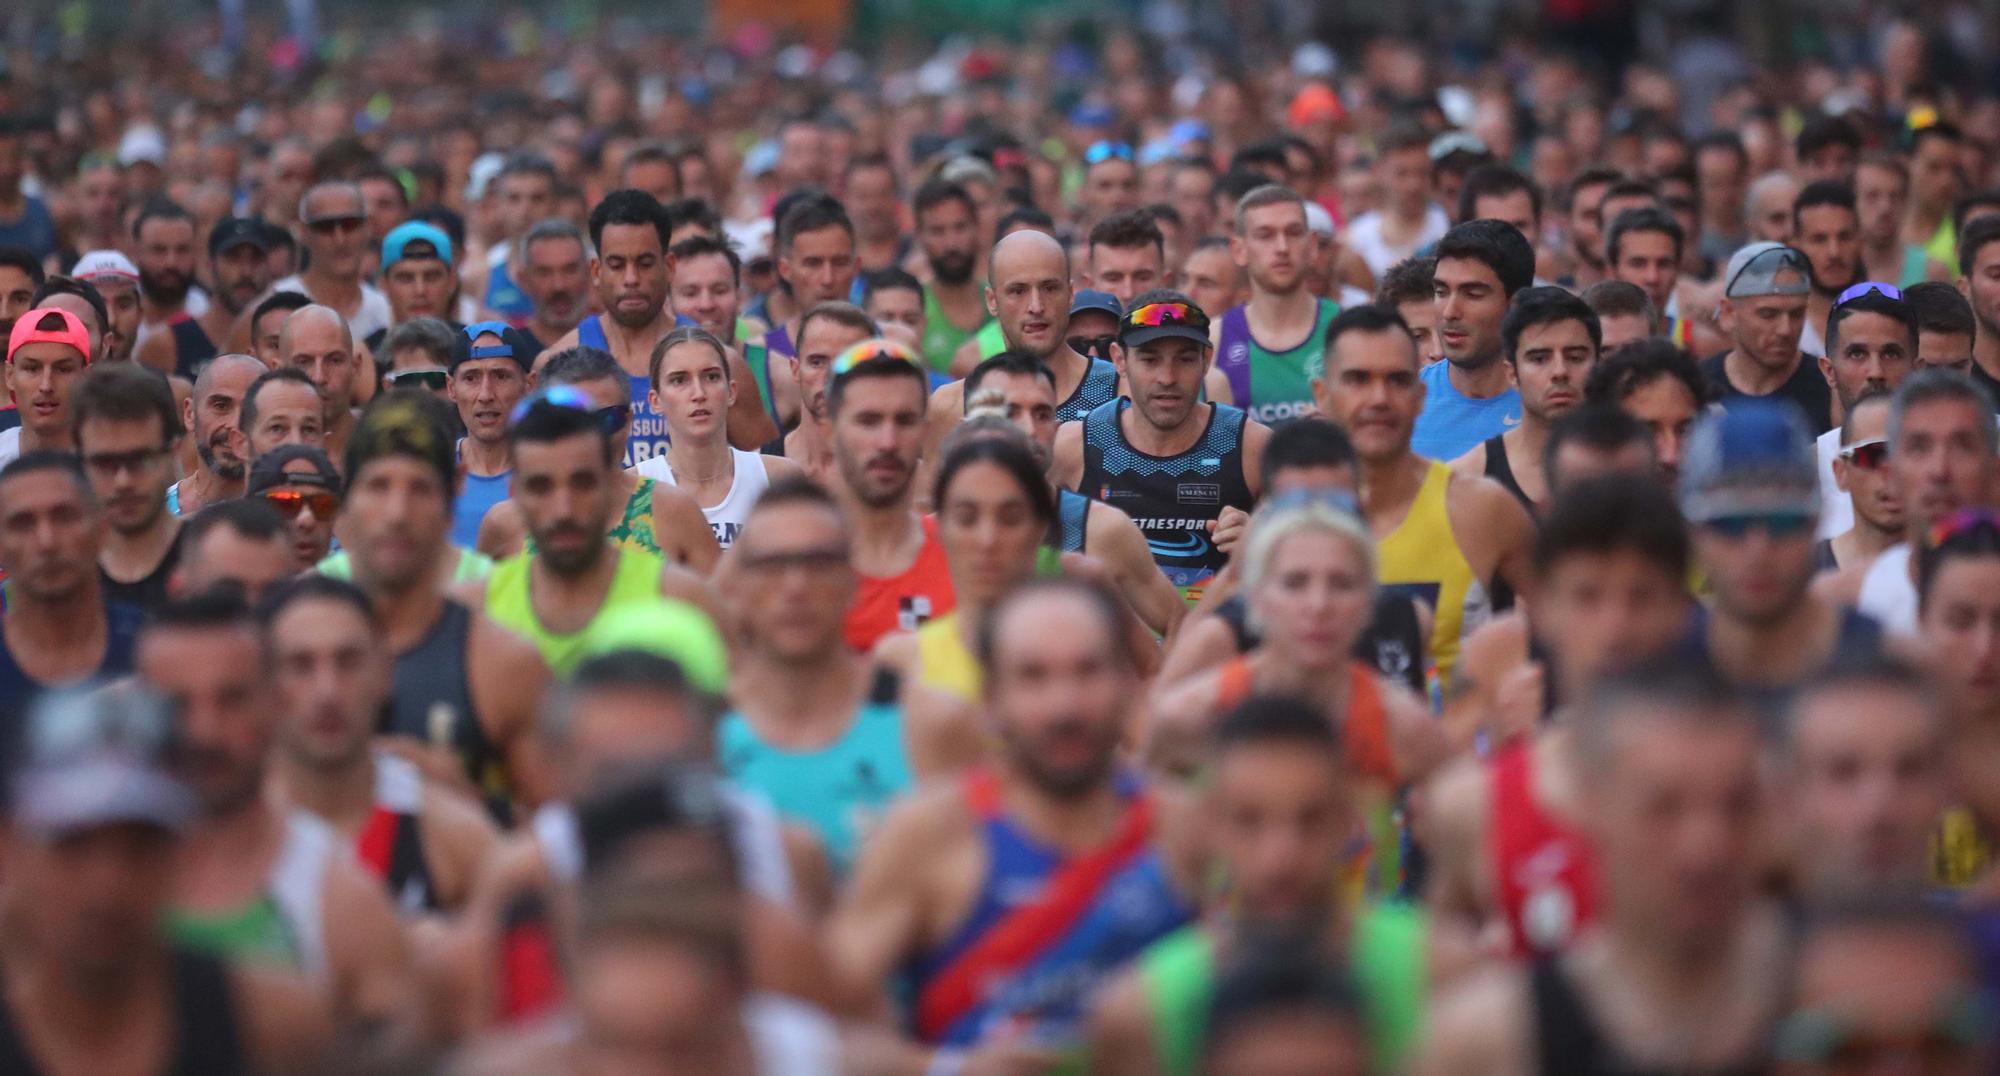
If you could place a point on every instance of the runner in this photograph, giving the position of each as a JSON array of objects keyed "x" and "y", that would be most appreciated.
[
  {"x": 524, "y": 192},
  {"x": 331, "y": 672},
  {"x": 267, "y": 322},
  {"x": 1408, "y": 220},
  {"x": 127, "y": 430},
  {"x": 334, "y": 216},
  {"x": 242, "y": 542},
  {"x": 996, "y": 891},
  {"x": 316, "y": 340},
  {"x": 1763, "y": 306},
  {"x": 20, "y": 274},
  {"x": 489, "y": 375},
  {"x": 555, "y": 278},
  {"x": 280, "y": 407},
  {"x": 1180, "y": 465},
  {"x": 1410, "y": 289},
  {"x": 116, "y": 280},
  {"x": 1266, "y": 346},
  {"x": 1584, "y": 228},
  {"x": 1125, "y": 255},
  {"x": 1550, "y": 340},
  {"x": 1945, "y": 326},
  {"x": 1694, "y": 957},
  {"x": 1979, "y": 270},
  {"x": 1443, "y": 540},
  {"x": 300, "y": 482},
  {"x": 1871, "y": 347},
  {"x": 653, "y": 517},
  {"x": 163, "y": 246},
  {"x": 417, "y": 355},
  {"x": 1934, "y": 147},
  {"x": 98, "y": 985},
  {"x": 1861, "y": 474},
  {"x": 693, "y": 392},
  {"x": 1827, "y": 229},
  {"x": 947, "y": 233},
  {"x": 1470, "y": 397},
  {"x": 814, "y": 246},
  {"x": 1643, "y": 247},
  {"x": 464, "y": 694},
  {"x": 260, "y": 883},
  {"x": 1660, "y": 386},
  {"x": 417, "y": 278},
  {"x": 825, "y": 333},
  {"x": 1624, "y": 311},
  {"x": 47, "y": 353},
  {"x": 1212, "y": 277},
  {"x": 895, "y": 299},
  {"x": 1882, "y": 201},
  {"x": 815, "y": 730}
]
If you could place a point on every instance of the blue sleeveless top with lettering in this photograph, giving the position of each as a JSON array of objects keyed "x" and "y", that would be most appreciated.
[
  {"x": 648, "y": 436},
  {"x": 1172, "y": 499}
]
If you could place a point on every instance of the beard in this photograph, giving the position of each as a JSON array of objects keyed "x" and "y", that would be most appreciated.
[
  {"x": 953, "y": 268},
  {"x": 570, "y": 562},
  {"x": 164, "y": 289},
  {"x": 231, "y": 470}
]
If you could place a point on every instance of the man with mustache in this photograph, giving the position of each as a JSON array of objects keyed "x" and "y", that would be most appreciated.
[
  {"x": 127, "y": 432},
  {"x": 1826, "y": 227},
  {"x": 163, "y": 247},
  {"x": 212, "y": 414},
  {"x": 555, "y": 276}
]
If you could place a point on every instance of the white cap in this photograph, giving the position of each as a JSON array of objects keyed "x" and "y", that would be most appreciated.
[
  {"x": 1318, "y": 219},
  {"x": 100, "y": 265},
  {"x": 142, "y": 143},
  {"x": 485, "y": 169}
]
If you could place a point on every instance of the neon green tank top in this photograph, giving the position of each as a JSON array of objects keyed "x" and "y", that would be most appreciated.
[
  {"x": 507, "y": 600},
  {"x": 942, "y": 339},
  {"x": 257, "y": 933},
  {"x": 991, "y": 340},
  {"x": 472, "y": 567},
  {"x": 1386, "y": 956}
]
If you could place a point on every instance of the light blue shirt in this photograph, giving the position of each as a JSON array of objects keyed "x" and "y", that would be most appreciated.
[
  {"x": 480, "y": 494},
  {"x": 1452, "y": 422}
]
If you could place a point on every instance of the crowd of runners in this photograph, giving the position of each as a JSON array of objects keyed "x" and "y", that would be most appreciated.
[{"x": 549, "y": 554}]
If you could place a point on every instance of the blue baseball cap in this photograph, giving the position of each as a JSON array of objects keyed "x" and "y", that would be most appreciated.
[
  {"x": 1755, "y": 456},
  {"x": 1091, "y": 299},
  {"x": 395, "y": 245}
]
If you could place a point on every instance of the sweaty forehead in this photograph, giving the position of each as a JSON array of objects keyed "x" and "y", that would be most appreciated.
[{"x": 1028, "y": 255}]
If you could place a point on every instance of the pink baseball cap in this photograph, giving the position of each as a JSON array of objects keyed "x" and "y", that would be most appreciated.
[{"x": 27, "y": 331}]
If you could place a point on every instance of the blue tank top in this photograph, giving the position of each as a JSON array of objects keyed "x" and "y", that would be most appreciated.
[
  {"x": 504, "y": 297},
  {"x": 1172, "y": 499},
  {"x": 647, "y": 436},
  {"x": 18, "y": 690},
  {"x": 480, "y": 494},
  {"x": 1451, "y": 422},
  {"x": 1047, "y": 996},
  {"x": 838, "y": 791},
  {"x": 1066, "y": 532},
  {"x": 1098, "y": 387}
]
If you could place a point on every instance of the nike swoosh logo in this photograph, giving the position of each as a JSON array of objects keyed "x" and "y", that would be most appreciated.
[{"x": 1511, "y": 421}]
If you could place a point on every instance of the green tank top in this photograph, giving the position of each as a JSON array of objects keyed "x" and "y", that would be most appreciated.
[
  {"x": 637, "y": 579},
  {"x": 991, "y": 340},
  {"x": 1274, "y": 386},
  {"x": 257, "y": 933},
  {"x": 472, "y": 567},
  {"x": 1386, "y": 956},
  {"x": 942, "y": 339}
]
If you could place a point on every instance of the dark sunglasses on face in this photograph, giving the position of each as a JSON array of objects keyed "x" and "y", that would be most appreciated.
[
  {"x": 434, "y": 380},
  {"x": 289, "y": 502},
  {"x": 109, "y": 464},
  {"x": 333, "y": 225},
  {"x": 1093, "y": 345},
  {"x": 1866, "y": 455}
]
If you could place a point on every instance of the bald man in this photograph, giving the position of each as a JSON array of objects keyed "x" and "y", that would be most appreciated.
[
  {"x": 1029, "y": 294},
  {"x": 211, "y": 417},
  {"x": 316, "y": 339}
]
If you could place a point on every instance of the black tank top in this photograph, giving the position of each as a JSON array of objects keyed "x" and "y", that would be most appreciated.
[
  {"x": 18, "y": 690},
  {"x": 1568, "y": 1039},
  {"x": 1172, "y": 499},
  {"x": 1500, "y": 470},
  {"x": 1823, "y": 558},
  {"x": 432, "y": 700},
  {"x": 1393, "y": 643},
  {"x": 192, "y": 347},
  {"x": 207, "y": 1037},
  {"x": 1098, "y": 387}
]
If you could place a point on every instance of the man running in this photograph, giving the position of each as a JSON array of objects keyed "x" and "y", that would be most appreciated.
[
  {"x": 1871, "y": 346},
  {"x": 127, "y": 430},
  {"x": 163, "y": 247},
  {"x": 1182, "y": 468},
  {"x": 1471, "y": 397},
  {"x": 331, "y": 674},
  {"x": 1861, "y": 477},
  {"x": 262, "y": 883},
  {"x": 1408, "y": 220},
  {"x": 335, "y": 217},
  {"x": 1445, "y": 540},
  {"x": 1643, "y": 247},
  {"x": 46, "y": 354},
  {"x": 814, "y": 246},
  {"x": 316, "y": 339},
  {"x": 825, "y": 333},
  {"x": 1550, "y": 339},
  {"x": 998, "y": 889},
  {"x": 524, "y": 191},
  {"x": 1882, "y": 201},
  {"x": 116, "y": 280},
  {"x": 489, "y": 375},
  {"x": 555, "y": 276},
  {"x": 1764, "y": 295},
  {"x": 417, "y": 278},
  {"x": 1125, "y": 255},
  {"x": 1264, "y": 347},
  {"x": 239, "y": 261},
  {"x": 96, "y": 822},
  {"x": 242, "y": 542},
  {"x": 1827, "y": 229},
  {"x": 948, "y": 235}
]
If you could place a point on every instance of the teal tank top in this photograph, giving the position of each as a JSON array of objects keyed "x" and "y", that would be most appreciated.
[{"x": 838, "y": 791}]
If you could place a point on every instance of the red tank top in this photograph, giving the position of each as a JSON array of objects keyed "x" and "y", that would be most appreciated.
[
  {"x": 1365, "y": 733},
  {"x": 902, "y": 602},
  {"x": 1545, "y": 872}
]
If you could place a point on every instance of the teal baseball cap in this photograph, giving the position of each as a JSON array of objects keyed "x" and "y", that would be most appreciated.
[{"x": 398, "y": 244}]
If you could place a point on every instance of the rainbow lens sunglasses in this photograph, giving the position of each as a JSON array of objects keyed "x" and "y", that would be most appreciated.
[
  {"x": 875, "y": 349},
  {"x": 609, "y": 419},
  {"x": 1157, "y": 315}
]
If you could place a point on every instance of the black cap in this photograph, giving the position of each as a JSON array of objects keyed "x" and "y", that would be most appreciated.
[
  {"x": 514, "y": 344},
  {"x": 269, "y": 470},
  {"x": 232, "y": 232}
]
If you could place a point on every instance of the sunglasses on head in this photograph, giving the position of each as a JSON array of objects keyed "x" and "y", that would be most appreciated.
[
  {"x": 332, "y": 225},
  {"x": 873, "y": 349},
  {"x": 1868, "y": 287},
  {"x": 1963, "y": 522},
  {"x": 434, "y": 380},
  {"x": 1775, "y": 524},
  {"x": 289, "y": 502},
  {"x": 1100, "y": 152},
  {"x": 1867, "y": 455},
  {"x": 609, "y": 419}
]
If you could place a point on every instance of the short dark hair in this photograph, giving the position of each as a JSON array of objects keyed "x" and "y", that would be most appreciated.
[
  {"x": 59, "y": 284},
  {"x": 702, "y": 246},
  {"x": 1279, "y": 974},
  {"x": 796, "y": 489},
  {"x": 312, "y": 585},
  {"x": 692, "y": 212},
  {"x": 1278, "y": 719},
  {"x": 630, "y": 207},
  {"x": 1973, "y": 239},
  {"x": 288, "y": 374},
  {"x": 840, "y": 312},
  {"x": 1366, "y": 318},
  {"x": 123, "y": 392},
  {"x": 408, "y": 423},
  {"x": 1543, "y": 306},
  {"x": 1632, "y": 186},
  {"x": 1407, "y": 281},
  {"x": 1023, "y": 216},
  {"x": 38, "y": 460},
  {"x": 888, "y": 278},
  {"x": 1495, "y": 244},
  {"x": 1963, "y": 207},
  {"x": 811, "y": 214},
  {"x": 1127, "y": 230},
  {"x": 1944, "y": 129},
  {"x": 1821, "y": 131},
  {"x": 1619, "y": 298},
  {"x": 1010, "y": 455},
  {"x": 1015, "y": 363},
  {"x": 1599, "y": 427},
  {"x": 249, "y": 517},
  {"x": 1108, "y": 606},
  {"x": 161, "y": 207},
  {"x": 1940, "y": 308},
  {"x": 1403, "y": 135},
  {"x": 1643, "y": 220},
  {"x": 1268, "y": 153},
  {"x": 1821, "y": 192},
  {"x": 427, "y": 334},
  {"x": 935, "y": 193},
  {"x": 24, "y": 259},
  {"x": 1638, "y": 364},
  {"x": 542, "y": 423},
  {"x": 1690, "y": 693},
  {"x": 1873, "y": 302},
  {"x": 526, "y": 163},
  {"x": 1489, "y": 180},
  {"x": 287, "y": 301},
  {"x": 1162, "y": 213},
  {"x": 1598, "y": 176},
  {"x": 1727, "y": 141},
  {"x": 1615, "y": 513},
  {"x": 209, "y": 609},
  {"x": 1237, "y": 182},
  {"x": 1307, "y": 442}
]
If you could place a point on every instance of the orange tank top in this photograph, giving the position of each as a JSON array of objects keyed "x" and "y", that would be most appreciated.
[
  {"x": 902, "y": 602},
  {"x": 1365, "y": 733}
]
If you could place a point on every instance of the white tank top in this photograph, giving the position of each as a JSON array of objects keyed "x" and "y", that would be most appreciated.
[
  {"x": 298, "y": 886},
  {"x": 1887, "y": 594},
  {"x": 755, "y": 830},
  {"x": 726, "y": 518}
]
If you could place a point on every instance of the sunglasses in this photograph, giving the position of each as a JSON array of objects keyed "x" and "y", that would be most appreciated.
[
  {"x": 333, "y": 225},
  {"x": 1155, "y": 315},
  {"x": 874, "y": 349},
  {"x": 289, "y": 502},
  {"x": 1867, "y": 455},
  {"x": 570, "y": 398},
  {"x": 108, "y": 464},
  {"x": 1092, "y": 345},
  {"x": 434, "y": 380},
  {"x": 1100, "y": 152},
  {"x": 814, "y": 561},
  {"x": 1775, "y": 524},
  {"x": 1868, "y": 287}
]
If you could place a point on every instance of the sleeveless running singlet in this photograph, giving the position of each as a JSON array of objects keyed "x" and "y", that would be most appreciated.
[
  {"x": 1569, "y": 1042},
  {"x": 902, "y": 602},
  {"x": 838, "y": 791},
  {"x": 1273, "y": 386},
  {"x": 1045, "y": 930},
  {"x": 1385, "y": 960},
  {"x": 942, "y": 339},
  {"x": 206, "y": 1034},
  {"x": 1916, "y": 266},
  {"x": 1067, "y": 534},
  {"x": 503, "y": 296},
  {"x": 944, "y": 663},
  {"x": 647, "y": 432},
  {"x": 1544, "y": 871},
  {"x": 285, "y": 925},
  {"x": 637, "y": 579},
  {"x": 1422, "y": 559},
  {"x": 1172, "y": 499},
  {"x": 391, "y": 842},
  {"x": 1500, "y": 469},
  {"x": 479, "y": 494},
  {"x": 18, "y": 690},
  {"x": 431, "y": 700},
  {"x": 727, "y": 516},
  {"x": 1098, "y": 387},
  {"x": 1887, "y": 592},
  {"x": 192, "y": 347}
]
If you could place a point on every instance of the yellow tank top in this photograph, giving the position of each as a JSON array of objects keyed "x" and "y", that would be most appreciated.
[
  {"x": 943, "y": 662},
  {"x": 1422, "y": 559}
]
